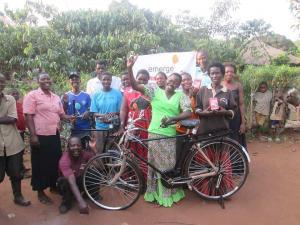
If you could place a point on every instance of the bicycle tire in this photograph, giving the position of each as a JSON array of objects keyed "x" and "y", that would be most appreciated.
[
  {"x": 97, "y": 174},
  {"x": 231, "y": 162}
]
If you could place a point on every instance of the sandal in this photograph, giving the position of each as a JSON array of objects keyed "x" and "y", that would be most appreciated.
[{"x": 44, "y": 199}]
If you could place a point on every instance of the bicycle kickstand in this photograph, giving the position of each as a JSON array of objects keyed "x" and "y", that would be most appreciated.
[
  {"x": 221, "y": 199},
  {"x": 221, "y": 202}
]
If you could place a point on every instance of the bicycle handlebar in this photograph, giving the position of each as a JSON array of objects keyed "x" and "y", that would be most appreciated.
[{"x": 164, "y": 125}]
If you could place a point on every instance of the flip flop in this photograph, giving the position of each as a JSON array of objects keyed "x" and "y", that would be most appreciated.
[{"x": 84, "y": 210}]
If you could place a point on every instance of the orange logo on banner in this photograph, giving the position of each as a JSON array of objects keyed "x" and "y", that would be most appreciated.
[{"x": 175, "y": 59}]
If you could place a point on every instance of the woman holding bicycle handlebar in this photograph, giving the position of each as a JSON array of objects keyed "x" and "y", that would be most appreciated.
[
  {"x": 215, "y": 106},
  {"x": 168, "y": 106}
]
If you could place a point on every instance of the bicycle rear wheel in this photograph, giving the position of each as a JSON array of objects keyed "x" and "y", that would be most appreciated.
[
  {"x": 232, "y": 166},
  {"x": 98, "y": 173}
]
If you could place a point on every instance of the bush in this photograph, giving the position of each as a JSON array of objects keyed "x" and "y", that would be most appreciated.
[{"x": 283, "y": 77}]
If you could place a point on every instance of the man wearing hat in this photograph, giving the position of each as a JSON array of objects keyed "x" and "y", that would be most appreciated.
[{"x": 77, "y": 102}]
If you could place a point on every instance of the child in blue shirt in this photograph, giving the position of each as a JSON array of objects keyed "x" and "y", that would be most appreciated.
[
  {"x": 105, "y": 104},
  {"x": 77, "y": 103}
]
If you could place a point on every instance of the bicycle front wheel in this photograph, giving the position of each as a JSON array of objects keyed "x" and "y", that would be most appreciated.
[
  {"x": 98, "y": 174},
  {"x": 231, "y": 163}
]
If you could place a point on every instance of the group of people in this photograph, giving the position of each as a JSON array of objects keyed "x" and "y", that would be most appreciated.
[
  {"x": 214, "y": 96},
  {"x": 276, "y": 110}
]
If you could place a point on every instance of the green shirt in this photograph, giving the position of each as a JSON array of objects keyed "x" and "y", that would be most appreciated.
[{"x": 162, "y": 106}]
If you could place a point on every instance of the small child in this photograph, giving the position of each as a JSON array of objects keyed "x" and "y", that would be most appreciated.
[
  {"x": 278, "y": 115},
  {"x": 262, "y": 99},
  {"x": 293, "y": 102}
]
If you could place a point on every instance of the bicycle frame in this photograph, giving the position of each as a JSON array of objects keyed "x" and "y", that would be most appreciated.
[{"x": 170, "y": 180}]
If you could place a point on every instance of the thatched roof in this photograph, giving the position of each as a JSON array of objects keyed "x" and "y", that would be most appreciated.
[{"x": 260, "y": 53}]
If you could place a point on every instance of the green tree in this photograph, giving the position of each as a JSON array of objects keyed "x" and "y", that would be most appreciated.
[
  {"x": 295, "y": 9},
  {"x": 113, "y": 34},
  {"x": 219, "y": 23},
  {"x": 281, "y": 42}
]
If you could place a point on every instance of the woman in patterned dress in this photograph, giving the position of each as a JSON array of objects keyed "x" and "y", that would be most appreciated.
[{"x": 168, "y": 106}]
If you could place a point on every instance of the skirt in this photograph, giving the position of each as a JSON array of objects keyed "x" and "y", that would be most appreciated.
[
  {"x": 162, "y": 154},
  {"x": 44, "y": 162},
  {"x": 234, "y": 125}
]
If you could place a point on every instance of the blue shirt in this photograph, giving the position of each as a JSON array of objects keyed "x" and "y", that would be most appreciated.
[
  {"x": 77, "y": 105},
  {"x": 201, "y": 78},
  {"x": 104, "y": 102}
]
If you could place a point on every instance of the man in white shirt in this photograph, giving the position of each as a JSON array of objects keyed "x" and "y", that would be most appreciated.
[
  {"x": 202, "y": 78},
  {"x": 94, "y": 84}
]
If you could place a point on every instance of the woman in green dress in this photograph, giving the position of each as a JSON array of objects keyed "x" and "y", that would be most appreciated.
[{"x": 168, "y": 106}]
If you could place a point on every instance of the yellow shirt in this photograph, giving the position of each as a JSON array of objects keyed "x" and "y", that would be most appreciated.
[{"x": 10, "y": 139}]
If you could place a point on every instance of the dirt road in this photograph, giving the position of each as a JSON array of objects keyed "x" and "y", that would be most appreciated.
[{"x": 271, "y": 196}]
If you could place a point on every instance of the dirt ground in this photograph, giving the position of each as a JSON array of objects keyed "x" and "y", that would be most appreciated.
[{"x": 270, "y": 196}]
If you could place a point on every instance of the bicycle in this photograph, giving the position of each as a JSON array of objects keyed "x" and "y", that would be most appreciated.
[
  {"x": 214, "y": 166},
  {"x": 67, "y": 130}
]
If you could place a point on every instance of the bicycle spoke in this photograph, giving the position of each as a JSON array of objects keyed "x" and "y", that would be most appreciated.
[
  {"x": 91, "y": 180},
  {"x": 97, "y": 172},
  {"x": 101, "y": 182},
  {"x": 127, "y": 192}
]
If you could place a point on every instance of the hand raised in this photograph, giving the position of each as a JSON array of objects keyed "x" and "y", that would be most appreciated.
[{"x": 131, "y": 60}]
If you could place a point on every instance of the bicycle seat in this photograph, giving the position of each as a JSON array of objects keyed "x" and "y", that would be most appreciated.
[{"x": 189, "y": 123}]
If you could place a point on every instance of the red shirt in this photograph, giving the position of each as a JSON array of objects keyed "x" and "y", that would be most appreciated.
[
  {"x": 21, "y": 121},
  {"x": 68, "y": 166},
  {"x": 130, "y": 96}
]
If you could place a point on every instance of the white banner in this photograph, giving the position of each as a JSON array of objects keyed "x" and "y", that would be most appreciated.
[{"x": 168, "y": 63}]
